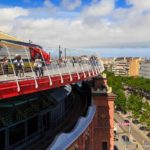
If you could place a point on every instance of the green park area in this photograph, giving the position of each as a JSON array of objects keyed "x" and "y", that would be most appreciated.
[{"x": 131, "y": 101}]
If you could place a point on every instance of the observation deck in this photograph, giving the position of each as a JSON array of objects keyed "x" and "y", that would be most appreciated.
[{"x": 56, "y": 73}]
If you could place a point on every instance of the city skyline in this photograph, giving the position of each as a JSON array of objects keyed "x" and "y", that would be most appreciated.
[
  {"x": 91, "y": 24},
  {"x": 104, "y": 52}
]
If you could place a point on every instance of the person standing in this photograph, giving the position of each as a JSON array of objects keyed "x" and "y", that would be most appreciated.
[
  {"x": 38, "y": 66},
  {"x": 73, "y": 61},
  {"x": 19, "y": 65}
]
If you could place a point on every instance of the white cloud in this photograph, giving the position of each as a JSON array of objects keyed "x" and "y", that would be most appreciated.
[
  {"x": 101, "y": 8},
  {"x": 48, "y": 3},
  {"x": 9, "y": 15},
  {"x": 71, "y": 4},
  {"x": 140, "y": 4},
  {"x": 98, "y": 25}
]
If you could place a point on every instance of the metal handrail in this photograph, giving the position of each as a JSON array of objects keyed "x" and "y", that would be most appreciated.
[
  {"x": 18, "y": 87},
  {"x": 69, "y": 71},
  {"x": 92, "y": 65},
  {"x": 51, "y": 66},
  {"x": 99, "y": 67},
  {"x": 88, "y": 69},
  {"x": 61, "y": 78},
  {"x": 36, "y": 84},
  {"x": 50, "y": 80},
  {"x": 76, "y": 70},
  {"x": 96, "y": 65},
  {"x": 80, "y": 65},
  {"x": 35, "y": 80}
]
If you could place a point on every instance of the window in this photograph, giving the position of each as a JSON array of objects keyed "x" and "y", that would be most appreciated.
[{"x": 104, "y": 145}]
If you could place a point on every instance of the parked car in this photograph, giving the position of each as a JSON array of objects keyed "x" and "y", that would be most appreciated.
[
  {"x": 125, "y": 138},
  {"x": 115, "y": 138},
  {"x": 148, "y": 135},
  {"x": 135, "y": 121},
  {"x": 134, "y": 140},
  {"x": 147, "y": 129},
  {"x": 126, "y": 121},
  {"x": 143, "y": 128},
  {"x": 116, "y": 148}
]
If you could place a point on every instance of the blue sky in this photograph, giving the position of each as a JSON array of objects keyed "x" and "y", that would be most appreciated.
[
  {"x": 89, "y": 24},
  {"x": 38, "y": 3}
]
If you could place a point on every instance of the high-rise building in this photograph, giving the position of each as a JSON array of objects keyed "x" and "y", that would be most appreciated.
[
  {"x": 108, "y": 62},
  {"x": 120, "y": 67},
  {"x": 134, "y": 66},
  {"x": 145, "y": 69}
]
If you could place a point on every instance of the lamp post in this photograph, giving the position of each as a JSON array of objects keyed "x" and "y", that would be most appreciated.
[
  {"x": 130, "y": 121},
  {"x": 59, "y": 55}
]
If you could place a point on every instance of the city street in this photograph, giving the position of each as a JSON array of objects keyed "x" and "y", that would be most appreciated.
[
  {"x": 121, "y": 144},
  {"x": 138, "y": 139}
]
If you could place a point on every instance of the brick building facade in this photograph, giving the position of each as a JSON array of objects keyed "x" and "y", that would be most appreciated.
[
  {"x": 96, "y": 130},
  {"x": 99, "y": 135}
]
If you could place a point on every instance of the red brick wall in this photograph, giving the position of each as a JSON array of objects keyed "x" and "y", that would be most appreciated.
[
  {"x": 101, "y": 128},
  {"x": 103, "y": 121}
]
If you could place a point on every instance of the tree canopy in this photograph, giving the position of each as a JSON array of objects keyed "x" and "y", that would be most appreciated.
[{"x": 134, "y": 103}]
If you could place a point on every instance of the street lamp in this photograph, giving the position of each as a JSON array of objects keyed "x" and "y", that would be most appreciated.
[
  {"x": 65, "y": 53},
  {"x": 60, "y": 52}
]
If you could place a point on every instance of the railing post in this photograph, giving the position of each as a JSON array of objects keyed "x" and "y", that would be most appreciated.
[
  {"x": 69, "y": 71},
  {"x": 35, "y": 80},
  {"x": 76, "y": 71},
  {"x": 92, "y": 66},
  {"x": 80, "y": 65},
  {"x": 50, "y": 80},
  {"x": 102, "y": 66},
  {"x": 88, "y": 68},
  {"x": 18, "y": 87},
  {"x": 96, "y": 65},
  {"x": 61, "y": 78}
]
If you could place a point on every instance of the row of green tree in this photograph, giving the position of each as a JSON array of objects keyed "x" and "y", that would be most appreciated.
[
  {"x": 134, "y": 103},
  {"x": 135, "y": 82},
  {"x": 140, "y": 109}
]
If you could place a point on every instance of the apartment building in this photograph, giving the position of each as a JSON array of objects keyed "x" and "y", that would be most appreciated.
[
  {"x": 107, "y": 62},
  {"x": 145, "y": 69},
  {"x": 120, "y": 66},
  {"x": 134, "y": 66}
]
